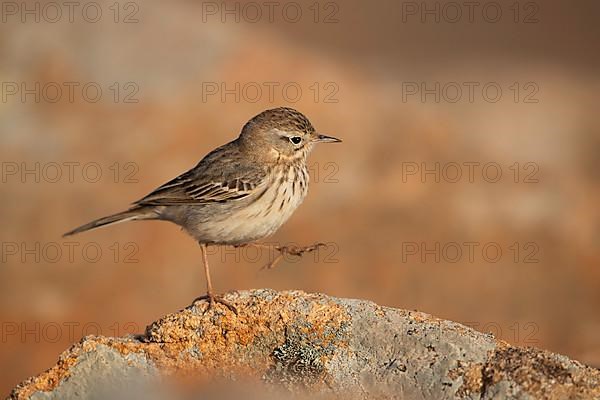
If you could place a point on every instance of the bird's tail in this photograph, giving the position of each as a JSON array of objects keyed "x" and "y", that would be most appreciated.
[{"x": 134, "y": 213}]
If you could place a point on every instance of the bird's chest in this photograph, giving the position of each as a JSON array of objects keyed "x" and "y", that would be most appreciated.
[
  {"x": 287, "y": 193},
  {"x": 286, "y": 190}
]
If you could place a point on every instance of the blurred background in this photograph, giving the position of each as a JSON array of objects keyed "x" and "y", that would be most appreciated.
[{"x": 467, "y": 185}]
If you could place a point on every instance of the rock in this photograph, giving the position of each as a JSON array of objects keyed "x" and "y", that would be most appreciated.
[{"x": 294, "y": 344}]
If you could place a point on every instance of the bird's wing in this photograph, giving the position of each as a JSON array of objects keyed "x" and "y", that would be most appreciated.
[{"x": 222, "y": 176}]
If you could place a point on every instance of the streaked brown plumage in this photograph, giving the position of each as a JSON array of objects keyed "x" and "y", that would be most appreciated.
[{"x": 240, "y": 192}]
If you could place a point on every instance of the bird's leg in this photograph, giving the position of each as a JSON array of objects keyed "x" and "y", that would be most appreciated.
[
  {"x": 285, "y": 250},
  {"x": 210, "y": 296},
  {"x": 209, "y": 289}
]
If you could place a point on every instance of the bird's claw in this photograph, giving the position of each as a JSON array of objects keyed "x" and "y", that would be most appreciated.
[
  {"x": 291, "y": 250},
  {"x": 213, "y": 300}
]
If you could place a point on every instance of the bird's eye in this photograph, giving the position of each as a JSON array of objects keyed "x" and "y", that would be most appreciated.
[{"x": 296, "y": 139}]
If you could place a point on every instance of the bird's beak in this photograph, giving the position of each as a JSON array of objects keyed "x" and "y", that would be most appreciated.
[{"x": 326, "y": 139}]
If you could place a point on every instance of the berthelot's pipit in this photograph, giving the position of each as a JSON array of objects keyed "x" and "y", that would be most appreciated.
[{"x": 240, "y": 192}]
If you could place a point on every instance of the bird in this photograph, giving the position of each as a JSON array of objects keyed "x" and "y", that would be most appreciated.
[{"x": 240, "y": 192}]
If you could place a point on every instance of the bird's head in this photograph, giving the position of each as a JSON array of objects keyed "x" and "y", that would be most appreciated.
[{"x": 282, "y": 133}]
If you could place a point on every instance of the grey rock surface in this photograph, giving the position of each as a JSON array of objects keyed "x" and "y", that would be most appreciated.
[{"x": 298, "y": 344}]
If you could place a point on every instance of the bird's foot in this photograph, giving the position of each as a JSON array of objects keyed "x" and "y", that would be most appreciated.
[
  {"x": 291, "y": 250},
  {"x": 213, "y": 300}
]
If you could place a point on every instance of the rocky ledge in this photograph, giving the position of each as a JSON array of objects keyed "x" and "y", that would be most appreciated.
[{"x": 298, "y": 344}]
